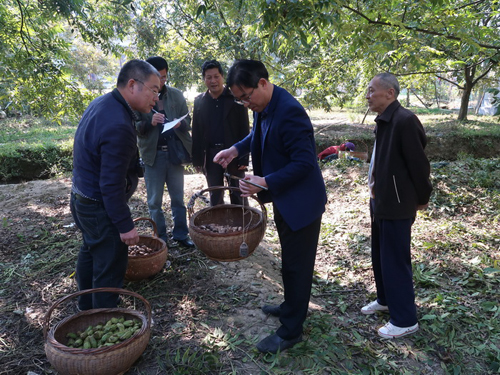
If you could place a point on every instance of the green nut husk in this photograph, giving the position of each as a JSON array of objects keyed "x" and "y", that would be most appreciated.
[
  {"x": 93, "y": 342},
  {"x": 125, "y": 335},
  {"x": 113, "y": 339}
]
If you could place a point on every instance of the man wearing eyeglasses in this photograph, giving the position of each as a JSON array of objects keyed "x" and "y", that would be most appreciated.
[
  {"x": 218, "y": 121},
  {"x": 104, "y": 178},
  {"x": 161, "y": 166},
  {"x": 284, "y": 160}
]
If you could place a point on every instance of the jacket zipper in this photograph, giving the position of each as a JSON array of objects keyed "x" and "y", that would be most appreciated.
[{"x": 396, "y": 188}]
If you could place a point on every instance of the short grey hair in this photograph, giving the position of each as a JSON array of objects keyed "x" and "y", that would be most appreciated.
[
  {"x": 388, "y": 81},
  {"x": 138, "y": 70}
]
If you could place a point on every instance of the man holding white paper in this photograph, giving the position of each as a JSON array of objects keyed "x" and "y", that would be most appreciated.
[
  {"x": 160, "y": 136},
  {"x": 172, "y": 124}
]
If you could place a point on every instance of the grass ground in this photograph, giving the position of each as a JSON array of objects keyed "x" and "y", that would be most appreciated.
[{"x": 207, "y": 315}]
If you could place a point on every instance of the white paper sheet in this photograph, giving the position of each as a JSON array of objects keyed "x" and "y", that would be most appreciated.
[{"x": 171, "y": 124}]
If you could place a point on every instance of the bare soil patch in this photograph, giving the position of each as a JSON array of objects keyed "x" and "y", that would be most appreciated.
[{"x": 227, "y": 294}]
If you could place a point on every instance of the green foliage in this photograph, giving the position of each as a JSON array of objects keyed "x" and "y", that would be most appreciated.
[
  {"x": 188, "y": 32},
  {"x": 496, "y": 100},
  {"x": 452, "y": 40},
  {"x": 92, "y": 68},
  {"x": 191, "y": 361},
  {"x": 38, "y": 162},
  {"x": 34, "y": 149},
  {"x": 327, "y": 50},
  {"x": 36, "y": 57}
]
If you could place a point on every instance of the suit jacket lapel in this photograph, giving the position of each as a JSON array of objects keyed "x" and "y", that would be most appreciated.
[{"x": 269, "y": 114}]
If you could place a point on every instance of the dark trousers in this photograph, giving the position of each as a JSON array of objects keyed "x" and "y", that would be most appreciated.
[
  {"x": 391, "y": 260},
  {"x": 298, "y": 254},
  {"x": 215, "y": 177},
  {"x": 102, "y": 260}
]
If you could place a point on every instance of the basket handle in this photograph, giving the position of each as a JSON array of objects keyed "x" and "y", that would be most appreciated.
[
  {"x": 155, "y": 229},
  {"x": 46, "y": 320},
  {"x": 190, "y": 205}
]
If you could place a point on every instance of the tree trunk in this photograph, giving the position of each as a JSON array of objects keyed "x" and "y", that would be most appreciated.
[
  {"x": 479, "y": 103},
  {"x": 436, "y": 94},
  {"x": 469, "y": 84},
  {"x": 421, "y": 101},
  {"x": 364, "y": 117},
  {"x": 464, "y": 103}
]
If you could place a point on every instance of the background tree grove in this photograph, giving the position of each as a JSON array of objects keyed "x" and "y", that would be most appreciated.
[{"x": 327, "y": 49}]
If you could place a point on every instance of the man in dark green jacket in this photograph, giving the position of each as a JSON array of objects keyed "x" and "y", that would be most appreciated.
[{"x": 160, "y": 166}]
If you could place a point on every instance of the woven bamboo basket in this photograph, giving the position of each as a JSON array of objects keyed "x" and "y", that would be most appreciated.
[
  {"x": 141, "y": 267},
  {"x": 226, "y": 246},
  {"x": 109, "y": 360}
]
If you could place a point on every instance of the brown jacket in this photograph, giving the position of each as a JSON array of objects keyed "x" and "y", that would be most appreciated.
[{"x": 401, "y": 168}]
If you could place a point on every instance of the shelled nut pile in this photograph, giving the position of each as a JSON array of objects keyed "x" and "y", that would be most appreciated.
[
  {"x": 136, "y": 250},
  {"x": 217, "y": 228}
]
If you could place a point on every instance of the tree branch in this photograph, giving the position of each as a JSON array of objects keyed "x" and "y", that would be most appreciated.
[
  {"x": 435, "y": 72},
  {"x": 469, "y": 4},
  {"x": 21, "y": 28},
  {"x": 485, "y": 72},
  {"x": 420, "y": 30},
  {"x": 450, "y": 81}
]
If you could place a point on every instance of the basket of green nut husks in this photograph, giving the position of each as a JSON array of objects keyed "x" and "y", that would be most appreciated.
[{"x": 105, "y": 341}]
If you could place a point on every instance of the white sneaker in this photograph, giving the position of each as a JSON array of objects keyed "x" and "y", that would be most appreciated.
[
  {"x": 373, "y": 307},
  {"x": 390, "y": 331}
]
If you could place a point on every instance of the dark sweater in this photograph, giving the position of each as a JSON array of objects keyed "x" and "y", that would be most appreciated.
[{"x": 104, "y": 157}]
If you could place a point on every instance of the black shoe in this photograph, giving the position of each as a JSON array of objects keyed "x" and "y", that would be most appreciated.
[
  {"x": 186, "y": 242},
  {"x": 273, "y": 310},
  {"x": 274, "y": 343}
]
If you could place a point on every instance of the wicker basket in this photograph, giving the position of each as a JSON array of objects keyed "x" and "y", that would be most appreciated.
[
  {"x": 109, "y": 360},
  {"x": 226, "y": 246},
  {"x": 141, "y": 267}
]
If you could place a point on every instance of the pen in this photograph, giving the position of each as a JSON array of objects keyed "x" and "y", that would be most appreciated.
[
  {"x": 247, "y": 181},
  {"x": 155, "y": 111}
]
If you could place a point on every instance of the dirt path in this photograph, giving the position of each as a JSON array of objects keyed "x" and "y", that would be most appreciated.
[{"x": 27, "y": 209}]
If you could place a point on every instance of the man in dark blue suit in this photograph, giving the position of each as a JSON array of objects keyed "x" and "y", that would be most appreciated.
[{"x": 284, "y": 162}]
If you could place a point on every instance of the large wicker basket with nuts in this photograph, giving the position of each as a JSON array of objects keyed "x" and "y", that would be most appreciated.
[
  {"x": 143, "y": 265},
  {"x": 105, "y": 360},
  {"x": 219, "y": 231}
]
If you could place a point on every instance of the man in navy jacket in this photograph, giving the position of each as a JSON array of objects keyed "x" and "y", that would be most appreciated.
[
  {"x": 104, "y": 178},
  {"x": 284, "y": 160},
  {"x": 399, "y": 186}
]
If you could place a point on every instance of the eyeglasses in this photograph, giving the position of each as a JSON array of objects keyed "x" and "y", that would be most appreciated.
[
  {"x": 246, "y": 100},
  {"x": 149, "y": 88}
]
